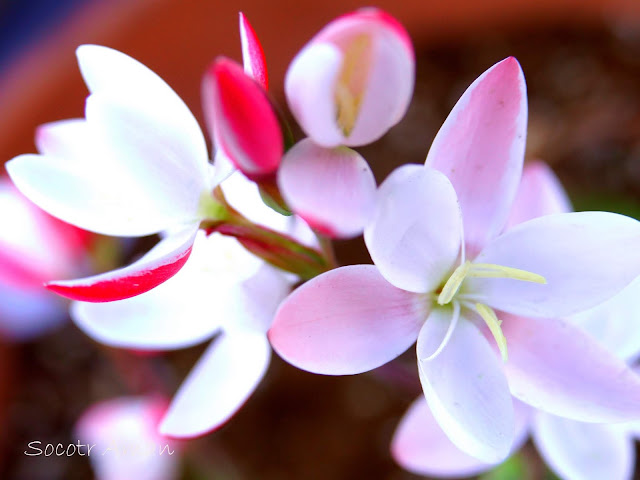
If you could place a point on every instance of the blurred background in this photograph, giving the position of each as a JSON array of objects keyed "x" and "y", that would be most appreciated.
[{"x": 582, "y": 64}]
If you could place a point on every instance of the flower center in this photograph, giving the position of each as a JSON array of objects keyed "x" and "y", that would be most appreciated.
[
  {"x": 351, "y": 81},
  {"x": 482, "y": 270}
]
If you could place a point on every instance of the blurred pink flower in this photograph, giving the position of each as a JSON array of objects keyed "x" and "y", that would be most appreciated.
[
  {"x": 121, "y": 439},
  {"x": 442, "y": 269},
  {"x": 354, "y": 80},
  {"x": 137, "y": 165},
  {"x": 34, "y": 248}
]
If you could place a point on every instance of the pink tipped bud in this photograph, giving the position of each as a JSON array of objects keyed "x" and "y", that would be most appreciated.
[{"x": 242, "y": 120}]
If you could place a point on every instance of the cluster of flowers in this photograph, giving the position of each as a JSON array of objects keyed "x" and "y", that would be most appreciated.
[{"x": 486, "y": 267}]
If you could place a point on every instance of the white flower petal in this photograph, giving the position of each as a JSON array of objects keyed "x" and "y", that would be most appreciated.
[
  {"x": 415, "y": 235},
  {"x": 466, "y": 389},
  {"x": 584, "y": 451},
  {"x": 586, "y": 258},
  {"x": 222, "y": 380}
]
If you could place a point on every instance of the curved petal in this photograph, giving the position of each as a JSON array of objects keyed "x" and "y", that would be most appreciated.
[
  {"x": 110, "y": 73},
  {"x": 558, "y": 368},
  {"x": 253, "y": 59},
  {"x": 246, "y": 126},
  {"x": 480, "y": 147},
  {"x": 585, "y": 257},
  {"x": 584, "y": 451},
  {"x": 334, "y": 325},
  {"x": 616, "y": 323},
  {"x": 540, "y": 193},
  {"x": 420, "y": 446},
  {"x": 466, "y": 388},
  {"x": 333, "y": 190},
  {"x": 157, "y": 266},
  {"x": 309, "y": 87},
  {"x": 220, "y": 383},
  {"x": 65, "y": 139},
  {"x": 415, "y": 235}
]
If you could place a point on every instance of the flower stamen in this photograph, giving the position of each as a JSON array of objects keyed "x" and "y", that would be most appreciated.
[
  {"x": 447, "y": 336},
  {"x": 490, "y": 270},
  {"x": 350, "y": 84},
  {"x": 490, "y": 318}
]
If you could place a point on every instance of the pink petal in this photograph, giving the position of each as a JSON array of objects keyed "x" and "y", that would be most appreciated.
[
  {"x": 122, "y": 435},
  {"x": 480, "y": 147},
  {"x": 161, "y": 263},
  {"x": 584, "y": 451},
  {"x": 255, "y": 64},
  {"x": 220, "y": 383},
  {"x": 540, "y": 193},
  {"x": 415, "y": 235},
  {"x": 558, "y": 368},
  {"x": 420, "y": 446},
  {"x": 615, "y": 323},
  {"x": 246, "y": 126},
  {"x": 309, "y": 172},
  {"x": 466, "y": 388},
  {"x": 586, "y": 258},
  {"x": 335, "y": 324}
]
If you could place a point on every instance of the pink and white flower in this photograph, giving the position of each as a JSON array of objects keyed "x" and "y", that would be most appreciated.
[
  {"x": 353, "y": 81},
  {"x": 121, "y": 439},
  {"x": 443, "y": 268},
  {"x": 575, "y": 450},
  {"x": 223, "y": 292},
  {"x": 136, "y": 165},
  {"x": 34, "y": 248}
]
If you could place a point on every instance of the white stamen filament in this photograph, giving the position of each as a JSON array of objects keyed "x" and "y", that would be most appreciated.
[
  {"x": 447, "y": 336},
  {"x": 490, "y": 318}
]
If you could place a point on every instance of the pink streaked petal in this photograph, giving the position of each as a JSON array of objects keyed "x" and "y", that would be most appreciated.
[
  {"x": 253, "y": 59},
  {"x": 220, "y": 383},
  {"x": 388, "y": 91},
  {"x": 616, "y": 323},
  {"x": 161, "y": 263},
  {"x": 113, "y": 74},
  {"x": 465, "y": 388},
  {"x": 556, "y": 367},
  {"x": 420, "y": 446},
  {"x": 346, "y": 321},
  {"x": 415, "y": 235},
  {"x": 585, "y": 451},
  {"x": 128, "y": 424},
  {"x": 585, "y": 257},
  {"x": 480, "y": 147},
  {"x": 246, "y": 126},
  {"x": 540, "y": 193},
  {"x": 309, "y": 172},
  {"x": 309, "y": 87}
]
